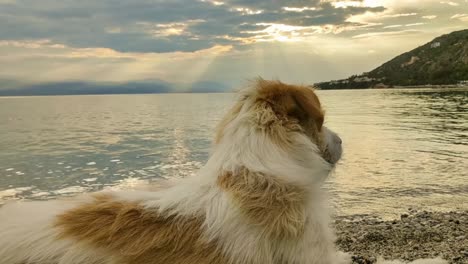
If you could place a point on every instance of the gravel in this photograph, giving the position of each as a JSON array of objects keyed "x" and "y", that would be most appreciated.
[{"x": 417, "y": 234}]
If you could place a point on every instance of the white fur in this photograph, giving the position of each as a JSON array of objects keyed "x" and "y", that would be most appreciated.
[{"x": 27, "y": 235}]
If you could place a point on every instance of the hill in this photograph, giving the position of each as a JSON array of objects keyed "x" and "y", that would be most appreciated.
[
  {"x": 443, "y": 61},
  {"x": 9, "y": 88}
]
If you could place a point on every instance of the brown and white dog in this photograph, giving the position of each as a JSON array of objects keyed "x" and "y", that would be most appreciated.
[{"x": 256, "y": 201}]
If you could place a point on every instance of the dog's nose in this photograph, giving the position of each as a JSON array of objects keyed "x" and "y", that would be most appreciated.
[{"x": 338, "y": 140}]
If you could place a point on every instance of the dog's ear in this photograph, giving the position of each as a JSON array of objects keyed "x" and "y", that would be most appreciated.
[{"x": 308, "y": 106}]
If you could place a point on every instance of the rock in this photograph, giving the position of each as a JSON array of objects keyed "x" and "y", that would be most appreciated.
[
  {"x": 437, "y": 238},
  {"x": 374, "y": 236}
]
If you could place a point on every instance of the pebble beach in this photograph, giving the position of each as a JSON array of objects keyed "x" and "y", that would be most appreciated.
[{"x": 417, "y": 234}]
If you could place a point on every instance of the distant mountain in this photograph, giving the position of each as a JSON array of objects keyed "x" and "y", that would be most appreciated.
[
  {"x": 443, "y": 61},
  {"x": 82, "y": 88},
  {"x": 202, "y": 87}
]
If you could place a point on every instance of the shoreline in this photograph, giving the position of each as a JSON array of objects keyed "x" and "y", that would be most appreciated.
[
  {"x": 448, "y": 86},
  {"x": 417, "y": 234}
]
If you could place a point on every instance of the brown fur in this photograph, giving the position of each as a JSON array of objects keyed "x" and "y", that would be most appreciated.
[
  {"x": 137, "y": 235},
  {"x": 281, "y": 108},
  {"x": 277, "y": 208},
  {"x": 294, "y": 101}
]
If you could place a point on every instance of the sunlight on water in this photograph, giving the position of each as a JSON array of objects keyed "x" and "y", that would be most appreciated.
[{"x": 403, "y": 148}]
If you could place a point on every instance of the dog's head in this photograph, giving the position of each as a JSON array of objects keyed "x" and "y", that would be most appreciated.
[{"x": 281, "y": 110}]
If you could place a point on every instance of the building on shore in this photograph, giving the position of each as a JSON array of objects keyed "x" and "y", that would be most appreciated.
[{"x": 435, "y": 45}]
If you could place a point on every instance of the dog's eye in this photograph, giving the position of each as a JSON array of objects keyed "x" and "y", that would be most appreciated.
[{"x": 297, "y": 114}]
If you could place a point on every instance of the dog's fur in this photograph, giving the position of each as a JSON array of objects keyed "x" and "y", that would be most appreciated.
[{"x": 256, "y": 201}]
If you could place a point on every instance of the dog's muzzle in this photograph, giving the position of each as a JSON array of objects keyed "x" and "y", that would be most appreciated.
[{"x": 333, "y": 146}]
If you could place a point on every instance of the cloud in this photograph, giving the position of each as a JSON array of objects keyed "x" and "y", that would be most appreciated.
[
  {"x": 212, "y": 40},
  {"x": 386, "y": 33},
  {"x": 393, "y": 26},
  {"x": 49, "y": 61},
  {"x": 462, "y": 17},
  {"x": 355, "y": 3},
  {"x": 450, "y": 3},
  {"x": 273, "y": 5},
  {"x": 120, "y": 25},
  {"x": 162, "y": 25},
  {"x": 400, "y": 15},
  {"x": 298, "y": 9},
  {"x": 414, "y": 24}
]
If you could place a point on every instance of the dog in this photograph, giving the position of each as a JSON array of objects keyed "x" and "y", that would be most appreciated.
[{"x": 256, "y": 201}]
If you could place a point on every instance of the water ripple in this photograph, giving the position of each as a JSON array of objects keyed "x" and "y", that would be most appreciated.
[{"x": 402, "y": 147}]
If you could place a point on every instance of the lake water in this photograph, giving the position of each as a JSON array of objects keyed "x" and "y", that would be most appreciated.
[{"x": 402, "y": 148}]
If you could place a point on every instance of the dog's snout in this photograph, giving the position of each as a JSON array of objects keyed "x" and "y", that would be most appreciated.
[
  {"x": 338, "y": 140},
  {"x": 334, "y": 146}
]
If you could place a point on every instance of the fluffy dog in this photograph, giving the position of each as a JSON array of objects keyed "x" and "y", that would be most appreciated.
[{"x": 256, "y": 201}]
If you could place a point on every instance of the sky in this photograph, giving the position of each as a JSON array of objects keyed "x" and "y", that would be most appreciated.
[{"x": 222, "y": 41}]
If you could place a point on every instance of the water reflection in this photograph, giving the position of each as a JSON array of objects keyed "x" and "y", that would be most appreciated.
[{"x": 402, "y": 148}]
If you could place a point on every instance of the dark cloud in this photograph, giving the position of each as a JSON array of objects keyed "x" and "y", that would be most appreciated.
[
  {"x": 274, "y": 4},
  {"x": 117, "y": 24},
  {"x": 325, "y": 14}
]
